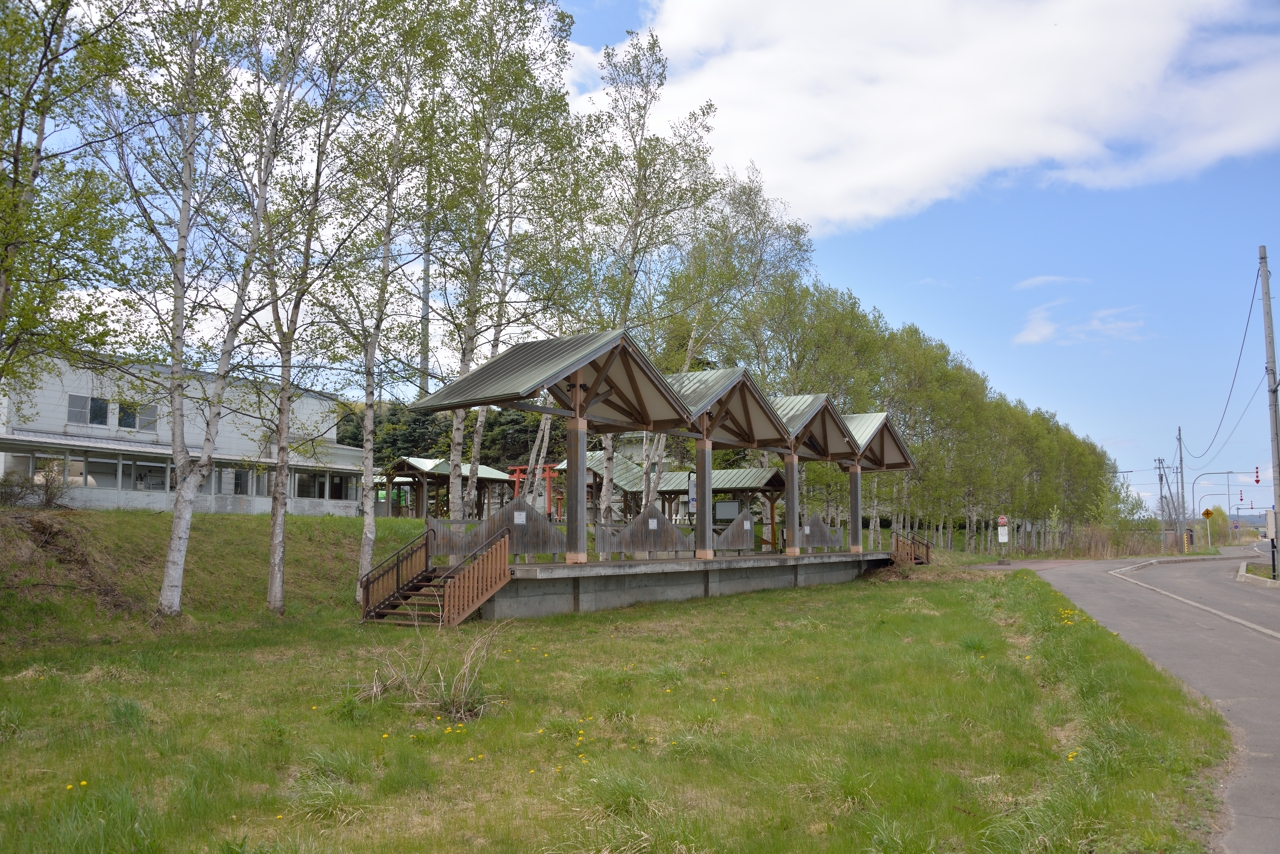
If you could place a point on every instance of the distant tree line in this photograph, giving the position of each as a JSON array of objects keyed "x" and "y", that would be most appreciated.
[{"x": 372, "y": 198}]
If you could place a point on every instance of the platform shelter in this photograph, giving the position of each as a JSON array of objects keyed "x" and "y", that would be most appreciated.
[{"x": 882, "y": 449}]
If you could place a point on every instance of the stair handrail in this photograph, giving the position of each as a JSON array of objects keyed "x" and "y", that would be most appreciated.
[
  {"x": 393, "y": 563},
  {"x": 475, "y": 553},
  {"x": 462, "y": 580}
]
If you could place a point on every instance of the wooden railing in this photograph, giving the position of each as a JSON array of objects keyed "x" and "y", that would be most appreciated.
[
  {"x": 910, "y": 549},
  {"x": 470, "y": 582},
  {"x": 405, "y": 566}
]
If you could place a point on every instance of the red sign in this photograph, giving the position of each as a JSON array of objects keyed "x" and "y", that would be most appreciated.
[{"x": 1003, "y": 522}]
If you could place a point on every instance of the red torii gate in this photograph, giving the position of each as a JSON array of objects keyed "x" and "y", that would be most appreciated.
[{"x": 520, "y": 473}]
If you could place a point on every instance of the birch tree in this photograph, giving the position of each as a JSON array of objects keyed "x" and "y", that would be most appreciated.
[
  {"x": 183, "y": 308},
  {"x": 651, "y": 187},
  {"x": 368, "y": 302},
  {"x": 508, "y": 106}
]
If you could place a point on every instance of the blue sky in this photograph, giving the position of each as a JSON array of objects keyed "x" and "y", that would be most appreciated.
[{"x": 1071, "y": 194}]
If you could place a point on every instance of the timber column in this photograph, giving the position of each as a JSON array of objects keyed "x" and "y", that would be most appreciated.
[
  {"x": 855, "y": 509},
  {"x": 704, "y": 537},
  {"x": 791, "y": 469},
  {"x": 575, "y": 510}
]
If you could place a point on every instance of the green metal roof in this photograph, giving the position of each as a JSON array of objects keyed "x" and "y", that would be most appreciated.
[
  {"x": 441, "y": 467},
  {"x": 880, "y": 446},
  {"x": 627, "y": 476},
  {"x": 797, "y": 410},
  {"x": 520, "y": 371},
  {"x": 727, "y": 480},
  {"x": 749, "y": 420},
  {"x": 700, "y": 389},
  {"x": 864, "y": 426},
  {"x": 830, "y": 437},
  {"x": 626, "y": 390}
]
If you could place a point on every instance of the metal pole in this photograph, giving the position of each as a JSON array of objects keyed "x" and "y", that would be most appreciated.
[
  {"x": 1182, "y": 496},
  {"x": 1272, "y": 402}
]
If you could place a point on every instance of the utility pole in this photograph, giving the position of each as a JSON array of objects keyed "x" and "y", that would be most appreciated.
[
  {"x": 1160, "y": 476},
  {"x": 1272, "y": 401},
  {"x": 1182, "y": 497}
]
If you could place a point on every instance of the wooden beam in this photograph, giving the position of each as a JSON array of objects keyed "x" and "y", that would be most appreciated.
[
  {"x": 600, "y": 375},
  {"x": 635, "y": 388},
  {"x": 533, "y": 407}
]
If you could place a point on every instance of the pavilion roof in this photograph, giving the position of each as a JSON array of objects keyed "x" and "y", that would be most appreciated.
[
  {"x": 768, "y": 479},
  {"x": 440, "y": 468},
  {"x": 624, "y": 390},
  {"x": 815, "y": 428},
  {"x": 882, "y": 446},
  {"x": 627, "y": 476},
  {"x": 736, "y": 410}
]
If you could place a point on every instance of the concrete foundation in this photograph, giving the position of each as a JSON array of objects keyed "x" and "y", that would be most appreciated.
[{"x": 540, "y": 590}]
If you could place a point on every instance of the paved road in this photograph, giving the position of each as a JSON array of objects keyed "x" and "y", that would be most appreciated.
[{"x": 1236, "y": 667}]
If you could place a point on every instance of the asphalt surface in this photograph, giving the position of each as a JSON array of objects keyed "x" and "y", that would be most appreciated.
[{"x": 1235, "y": 666}]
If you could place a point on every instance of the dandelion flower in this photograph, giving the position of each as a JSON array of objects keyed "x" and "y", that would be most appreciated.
[
  {"x": 279, "y": 816},
  {"x": 384, "y": 735},
  {"x": 69, "y": 786},
  {"x": 530, "y": 770},
  {"x": 668, "y": 690},
  {"x": 539, "y": 731},
  {"x": 313, "y": 708},
  {"x": 84, "y": 782}
]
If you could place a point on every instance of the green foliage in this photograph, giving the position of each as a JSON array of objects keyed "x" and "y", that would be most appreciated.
[{"x": 57, "y": 223}]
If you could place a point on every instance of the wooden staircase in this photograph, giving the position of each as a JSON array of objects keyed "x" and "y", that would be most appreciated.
[
  {"x": 406, "y": 590},
  {"x": 910, "y": 550}
]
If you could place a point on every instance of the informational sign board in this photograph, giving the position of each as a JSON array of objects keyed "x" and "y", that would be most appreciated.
[
  {"x": 693, "y": 495},
  {"x": 727, "y": 511},
  {"x": 519, "y": 517},
  {"x": 1271, "y": 524},
  {"x": 653, "y": 524},
  {"x": 1002, "y": 521},
  {"x": 1002, "y": 533}
]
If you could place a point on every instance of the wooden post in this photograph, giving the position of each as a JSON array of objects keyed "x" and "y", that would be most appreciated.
[
  {"x": 855, "y": 509},
  {"x": 575, "y": 519},
  {"x": 791, "y": 472},
  {"x": 704, "y": 537},
  {"x": 773, "y": 523}
]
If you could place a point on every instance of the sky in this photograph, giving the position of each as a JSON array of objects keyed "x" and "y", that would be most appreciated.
[{"x": 1070, "y": 193}]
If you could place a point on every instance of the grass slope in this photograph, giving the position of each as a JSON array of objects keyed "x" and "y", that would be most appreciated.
[
  {"x": 945, "y": 713},
  {"x": 49, "y": 561}
]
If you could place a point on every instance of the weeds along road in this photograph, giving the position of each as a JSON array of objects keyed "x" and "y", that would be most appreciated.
[{"x": 1237, "y": 667}]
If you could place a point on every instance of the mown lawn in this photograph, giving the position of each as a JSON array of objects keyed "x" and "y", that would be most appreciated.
[{"x": 949, "y": 712}]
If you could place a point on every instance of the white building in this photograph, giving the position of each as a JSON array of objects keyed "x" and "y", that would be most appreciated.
[{"x": 81, "y": 426}]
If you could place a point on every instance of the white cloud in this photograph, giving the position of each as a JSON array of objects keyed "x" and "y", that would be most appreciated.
[
  {"x": 857, "y": 110},
  {"x": 1039, "y": 328},
  {"x": 1038, "y": 281},
  {"x": 1103, "y": 323}
]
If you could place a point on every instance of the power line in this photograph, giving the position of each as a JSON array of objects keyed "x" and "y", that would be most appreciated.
[
  {"x": 1209, "y": 462},
  {"x": 1243, "y": 338}
]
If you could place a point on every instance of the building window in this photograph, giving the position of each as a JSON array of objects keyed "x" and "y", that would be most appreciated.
[
  {"x": 86, "y": 410},
  {"x": 309, "y": 485},
  {"x": 138, "y": 417}
]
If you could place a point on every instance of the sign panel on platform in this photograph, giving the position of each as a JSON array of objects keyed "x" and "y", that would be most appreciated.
[{"x": 1003, "y": 533}]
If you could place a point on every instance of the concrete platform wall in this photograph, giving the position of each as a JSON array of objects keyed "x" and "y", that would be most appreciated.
[{"x": 542, "y": 591}]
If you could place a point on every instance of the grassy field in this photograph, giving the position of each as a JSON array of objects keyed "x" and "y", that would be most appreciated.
[{"x": 947, "y": 712}]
